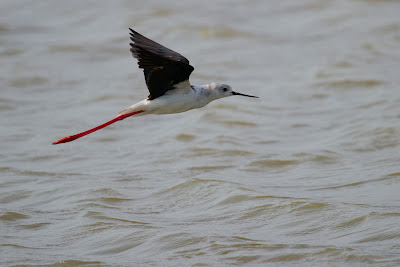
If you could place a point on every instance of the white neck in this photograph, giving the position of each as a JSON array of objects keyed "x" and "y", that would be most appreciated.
[{"x": 207, "y": 92}]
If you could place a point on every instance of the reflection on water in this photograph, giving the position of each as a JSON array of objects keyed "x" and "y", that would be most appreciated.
[{"x": 307, "y": 175}]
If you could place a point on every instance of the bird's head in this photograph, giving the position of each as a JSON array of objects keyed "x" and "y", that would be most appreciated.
[{"x": 223, "y": 90}]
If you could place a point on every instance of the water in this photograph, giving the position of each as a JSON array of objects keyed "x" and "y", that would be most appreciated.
[{"x": 306, "y": 175}]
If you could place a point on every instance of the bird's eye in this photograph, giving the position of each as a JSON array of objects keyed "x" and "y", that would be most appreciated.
[{"x": 225, "y": 89}]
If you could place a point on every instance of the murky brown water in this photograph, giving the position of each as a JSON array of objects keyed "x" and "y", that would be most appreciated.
[{"x": 309, "y": 174}]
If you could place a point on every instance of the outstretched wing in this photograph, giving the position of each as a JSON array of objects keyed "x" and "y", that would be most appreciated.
[{"x": 162, "y": 67}]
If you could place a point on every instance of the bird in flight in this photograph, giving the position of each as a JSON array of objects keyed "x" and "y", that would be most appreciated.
[{"x": 167, "y": 77}]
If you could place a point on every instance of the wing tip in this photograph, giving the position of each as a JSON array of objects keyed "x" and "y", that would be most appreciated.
[{"x": 133, "y": 32}]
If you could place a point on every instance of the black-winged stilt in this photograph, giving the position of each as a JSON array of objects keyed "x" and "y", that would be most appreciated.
[{"x": 167, "y": 78}]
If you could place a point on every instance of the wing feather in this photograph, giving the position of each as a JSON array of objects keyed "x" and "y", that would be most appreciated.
[{"x": 162, "y": 67}]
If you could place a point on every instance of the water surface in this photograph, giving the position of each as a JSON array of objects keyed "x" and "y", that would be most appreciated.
[{"x": 306, "y": 175}]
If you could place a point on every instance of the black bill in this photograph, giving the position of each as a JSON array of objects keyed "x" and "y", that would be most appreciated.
[{"x": 234, "y": 93}]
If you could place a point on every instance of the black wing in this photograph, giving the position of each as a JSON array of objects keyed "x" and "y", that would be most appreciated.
[{"x": 162, "y": 67}]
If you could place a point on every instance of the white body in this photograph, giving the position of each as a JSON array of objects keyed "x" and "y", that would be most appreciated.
[{"x": 185, "y": 97}]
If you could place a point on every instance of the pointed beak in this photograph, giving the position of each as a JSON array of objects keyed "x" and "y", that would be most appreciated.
[{"x": 235, "y": 93}]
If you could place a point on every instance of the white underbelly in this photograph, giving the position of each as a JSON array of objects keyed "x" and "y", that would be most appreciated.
[{"x": 173, "y": 104}]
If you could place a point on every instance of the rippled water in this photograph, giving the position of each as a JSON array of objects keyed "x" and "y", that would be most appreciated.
[{"x": 306, "y": 175}]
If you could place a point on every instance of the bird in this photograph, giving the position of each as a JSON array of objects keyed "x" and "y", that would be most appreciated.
[{"x": 166, "y": 73}]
